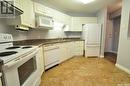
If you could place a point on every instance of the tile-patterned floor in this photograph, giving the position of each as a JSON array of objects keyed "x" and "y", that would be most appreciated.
[{"x": 80, "y": 71}]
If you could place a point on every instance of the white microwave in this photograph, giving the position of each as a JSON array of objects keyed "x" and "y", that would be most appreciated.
[{"x": 45, "y": 22}]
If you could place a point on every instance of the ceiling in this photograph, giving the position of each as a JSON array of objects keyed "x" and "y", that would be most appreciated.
[{"x": 74, "y": 7}]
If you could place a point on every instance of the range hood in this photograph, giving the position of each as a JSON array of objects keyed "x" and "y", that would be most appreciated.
[{"x": 7, "y": 9}]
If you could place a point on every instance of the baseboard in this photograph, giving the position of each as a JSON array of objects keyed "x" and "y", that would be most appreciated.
[{"x": 123, "y": 68}]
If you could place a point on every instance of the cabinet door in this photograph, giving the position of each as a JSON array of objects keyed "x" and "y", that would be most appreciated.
[
  {"x": 48, "y": 12},
  {"x": 17, "y": 3},
  {"x": 70, "y": 50},
  {"x": 27, "y": 18},
  {"x": 32, "y": 15},
  {"x": 77, "y": 22},
  {"x": 41, "y": 60},
  {"x": 79, "y": 48},
  {"x": 63, "y": 52},
  {"x": 73, "y": 48},
  {"x": 39, "y": 8}
]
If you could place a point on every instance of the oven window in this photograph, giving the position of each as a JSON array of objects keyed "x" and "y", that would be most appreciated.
[{"x": 25, "y": 70}]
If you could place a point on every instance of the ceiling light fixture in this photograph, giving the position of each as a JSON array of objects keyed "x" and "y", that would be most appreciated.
[{"x": 86, "y": 1}]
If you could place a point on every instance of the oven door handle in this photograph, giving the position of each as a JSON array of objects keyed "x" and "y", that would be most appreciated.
[{"x": 26, "y": 58}]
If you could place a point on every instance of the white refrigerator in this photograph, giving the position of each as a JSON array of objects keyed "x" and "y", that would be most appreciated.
[{"x": 92, "y": 35}]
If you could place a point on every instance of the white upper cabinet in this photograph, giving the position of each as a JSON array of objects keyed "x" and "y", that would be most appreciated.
[
  {"x": 39, "y": 8},
  {"x": 57, "y": 16},
  {"x": 25, "y": 20},
  {"x": 30, "y": 8},
  {"x": 28, "y": 17},
  {"x": 17, "y": 4},
  {"x": 77, "y": 23},
  {"x": 61, "y": 17},
  {"x": 43, "y": 10}
]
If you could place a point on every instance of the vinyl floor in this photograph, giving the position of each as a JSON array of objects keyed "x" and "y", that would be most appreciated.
[{"x": 80, "y": 71}]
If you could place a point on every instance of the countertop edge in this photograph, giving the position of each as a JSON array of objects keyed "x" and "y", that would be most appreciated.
[{"x": 44, "y": 43}]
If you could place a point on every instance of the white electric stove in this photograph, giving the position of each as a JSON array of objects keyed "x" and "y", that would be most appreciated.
[
  {"x": 20, "y": 63},
  {"x": 10, "y": 52}
]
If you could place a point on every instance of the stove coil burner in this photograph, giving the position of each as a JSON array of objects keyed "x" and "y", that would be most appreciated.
[
  {"x": 12, "y": 47},
  {"x": 7, "y": 53},
  {"x": 26, "y": 47}
]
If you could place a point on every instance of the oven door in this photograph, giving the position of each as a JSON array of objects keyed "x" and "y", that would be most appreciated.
[{"x": 22, "y": 71}]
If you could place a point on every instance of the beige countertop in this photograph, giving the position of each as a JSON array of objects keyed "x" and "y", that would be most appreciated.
[{"x": 40, "y": 42}]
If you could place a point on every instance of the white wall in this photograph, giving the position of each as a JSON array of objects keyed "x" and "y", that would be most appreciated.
[
  {"x": 123, "y": 58},
  {"x": 17, "y": 35},
  {"x": 56, "y": 32},
  {"x": 102, "y": 19}
]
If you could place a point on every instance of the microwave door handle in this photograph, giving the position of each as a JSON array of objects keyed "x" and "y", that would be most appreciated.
[{"x": 12, "y": 63}]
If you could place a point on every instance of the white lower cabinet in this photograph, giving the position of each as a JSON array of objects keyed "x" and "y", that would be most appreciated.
[
  {"x": 41, "y": 60},
  {"x": 71, "y": 49},
  {"x": 61, "y": 52},
  {"x": 51, "y": 55},
  {"x": 79, "y": 48}
]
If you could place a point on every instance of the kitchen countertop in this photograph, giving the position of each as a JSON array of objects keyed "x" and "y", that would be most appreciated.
[{"x": 40, "y": 42}]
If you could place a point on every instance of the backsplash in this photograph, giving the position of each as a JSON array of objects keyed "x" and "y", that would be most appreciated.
[
  {"x": 36, "y": 33},
  {"x": 49, "y": 34},
  {"x": 17, "y": 35},
  {"x": 42, "y": 34}
]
